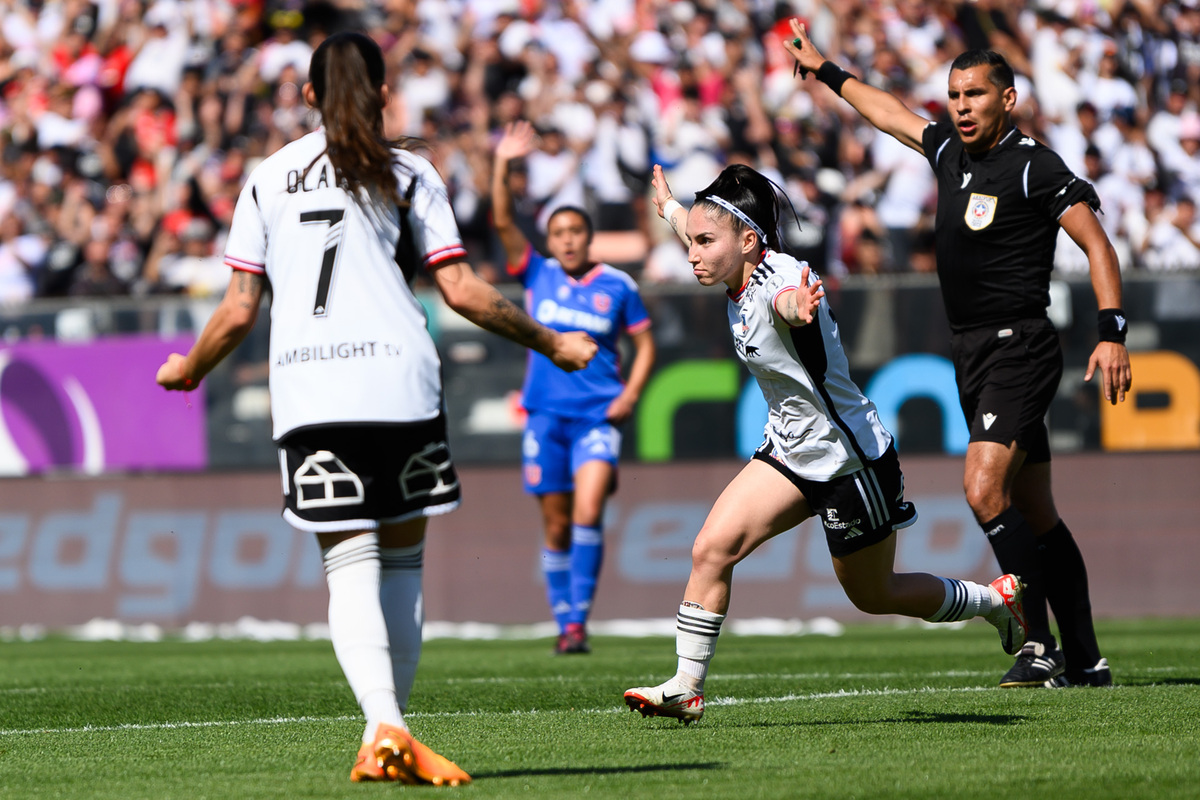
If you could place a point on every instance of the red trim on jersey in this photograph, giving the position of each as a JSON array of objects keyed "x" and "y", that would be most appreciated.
[
  {"x": 639, "y": 327},
  {"x": 439, "y": 257},
  {"x": 735, "y": 296},
  {"x": 517, "y": 269},
  {"x": 245, "y": 266}
]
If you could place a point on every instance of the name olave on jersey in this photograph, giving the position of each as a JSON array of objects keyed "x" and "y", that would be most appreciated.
[{"x": 335, "y": 351}]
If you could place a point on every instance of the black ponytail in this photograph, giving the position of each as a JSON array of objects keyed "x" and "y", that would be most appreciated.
[{"x": 347, "y": 74}]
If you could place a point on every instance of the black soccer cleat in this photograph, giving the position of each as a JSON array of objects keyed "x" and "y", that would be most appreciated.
[
  {"x": 1099, "y": 675},
  {"x": 1036, "y": 665}
]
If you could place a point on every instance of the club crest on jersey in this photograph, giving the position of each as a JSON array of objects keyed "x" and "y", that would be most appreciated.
[
  {"x": 601, "y": 302},
  {"x": 981, "y": 210}
]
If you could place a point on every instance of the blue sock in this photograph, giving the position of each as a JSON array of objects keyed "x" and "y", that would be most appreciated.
[
  {"x": 556, "y": 567},
  {"x": 587, "y": 553}
]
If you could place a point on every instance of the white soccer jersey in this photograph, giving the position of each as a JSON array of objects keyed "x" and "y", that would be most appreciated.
[
  {"x": 819, "y": 422},
  {"x": 348, "y": 337}
]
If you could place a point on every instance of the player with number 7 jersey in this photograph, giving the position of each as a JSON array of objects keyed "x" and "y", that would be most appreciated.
[
  {"x": 348, "y": 339},
  {"x": 338, "y": 222}
]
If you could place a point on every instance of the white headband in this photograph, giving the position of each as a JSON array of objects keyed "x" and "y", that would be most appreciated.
[{"x": 737, "y": 212}]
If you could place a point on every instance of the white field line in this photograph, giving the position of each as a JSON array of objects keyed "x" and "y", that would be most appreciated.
[
  {"x": 719, "y": 701},
  {"x": 569, "y": 679}
]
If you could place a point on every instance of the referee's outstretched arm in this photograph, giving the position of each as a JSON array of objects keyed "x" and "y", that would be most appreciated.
[{"x": 881, "y": 109}]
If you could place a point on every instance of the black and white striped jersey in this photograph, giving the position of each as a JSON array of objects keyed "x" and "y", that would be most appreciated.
[
  {"x": 348, "y": 336},
  {"x": 818, "y": 420}
]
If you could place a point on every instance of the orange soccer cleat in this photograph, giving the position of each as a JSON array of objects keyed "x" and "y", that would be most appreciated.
[{"x": 396, "y": 755}]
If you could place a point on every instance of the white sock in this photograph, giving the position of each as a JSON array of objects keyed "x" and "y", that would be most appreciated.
[
  {"x": 404, "y": 610},
  {"x": 964, "y": 600},
  {"x": 696, "y": 632},
  {"x": 357, "y": 628}
]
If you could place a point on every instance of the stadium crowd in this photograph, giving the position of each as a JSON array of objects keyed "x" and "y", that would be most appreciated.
[{"x": 129, "y": 126}]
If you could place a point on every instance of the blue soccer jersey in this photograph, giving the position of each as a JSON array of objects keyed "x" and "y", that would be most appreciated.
[{"x": 603, "y": 302}]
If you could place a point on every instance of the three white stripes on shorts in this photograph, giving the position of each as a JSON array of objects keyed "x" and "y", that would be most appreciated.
[{"x": 879, "y": 510}]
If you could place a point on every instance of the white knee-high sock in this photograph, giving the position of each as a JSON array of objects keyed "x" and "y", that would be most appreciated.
[
  {"x": 404, "y": 610},
  {"x": 696, "y": 632},
  {"x": 357, "y": 628},
  {"x": 964, "y": 600}
]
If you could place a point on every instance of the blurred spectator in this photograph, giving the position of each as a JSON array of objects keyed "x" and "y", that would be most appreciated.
[
  {"x": 423, "y": 88},
  {"x": 159, "y": 59},
  {"x": 617, "y": 168},
  {"x": 21, "y": 255},
  {"x": 284, "y": 49},
  {"x": 1106, "y": 89},
  {"x": 1186, "y": 167},
  {"x": 1071, "y": 137},
  {"x": 1173, "y": 241},
  {"x": 1163, "y": 131},
  {"x": 95, "y": 275},
  {"x": 187, "y": 262},
  {"x": 554, "y": 174},
  {"x": 1122, "y": 143}
]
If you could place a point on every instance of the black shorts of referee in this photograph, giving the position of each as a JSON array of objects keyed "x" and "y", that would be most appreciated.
[{"x": 1007, "y": 375}]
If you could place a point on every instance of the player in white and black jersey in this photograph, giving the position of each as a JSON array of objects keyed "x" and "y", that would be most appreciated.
[
  {"x": 337, "y": 223},
  {"x": 824, "y": 453},
  {"x": 1002, "y": 197}
]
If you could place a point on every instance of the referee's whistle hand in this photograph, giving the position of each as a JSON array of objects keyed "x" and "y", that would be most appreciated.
[{"x": 1112, "y": 361}]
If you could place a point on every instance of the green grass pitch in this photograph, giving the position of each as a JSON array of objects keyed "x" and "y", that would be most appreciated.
[{"x": 879, "y": 712}]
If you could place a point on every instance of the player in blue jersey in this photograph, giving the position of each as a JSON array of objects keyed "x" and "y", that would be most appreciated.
[{"x": 571, "y": 441}]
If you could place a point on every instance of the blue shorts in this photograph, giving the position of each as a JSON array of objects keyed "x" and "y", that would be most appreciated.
[{"x": 554, "y": 448}]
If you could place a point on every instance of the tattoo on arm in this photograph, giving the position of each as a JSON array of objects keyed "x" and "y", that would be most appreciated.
[
  {"x": 503, "y": 317},
  {"x": 248, "y": 286}
]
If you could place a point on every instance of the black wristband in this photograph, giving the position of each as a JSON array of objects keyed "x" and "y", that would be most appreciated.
[
  {"x": 1112, "y": 325},
  {"x": 833, "y": 76}
]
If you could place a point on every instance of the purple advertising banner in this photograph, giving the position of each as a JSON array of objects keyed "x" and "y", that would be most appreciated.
[{"x": 94, "y": 407}]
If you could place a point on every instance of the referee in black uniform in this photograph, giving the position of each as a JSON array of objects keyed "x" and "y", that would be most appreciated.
[{"x": 1001, "y": 198}]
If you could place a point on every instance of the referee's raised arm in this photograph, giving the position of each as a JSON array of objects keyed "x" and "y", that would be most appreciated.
[{"x": 881, "y": 109}]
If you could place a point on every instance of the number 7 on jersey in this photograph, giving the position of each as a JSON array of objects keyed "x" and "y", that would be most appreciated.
[{"x": 332, "y": 217}]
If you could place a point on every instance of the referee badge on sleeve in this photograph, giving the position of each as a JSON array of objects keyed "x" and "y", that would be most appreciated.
[{"x": 981, "y": 210}]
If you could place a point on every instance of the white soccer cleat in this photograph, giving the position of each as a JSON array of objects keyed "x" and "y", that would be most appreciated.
[
  {"x": 667, "y": 700},
  {"x": 1008, "y": 615}
]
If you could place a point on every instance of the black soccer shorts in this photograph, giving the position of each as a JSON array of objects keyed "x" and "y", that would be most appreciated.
[
  {"x": 354, "y": 476},
  {"x": 856, "y": 510},
  {"x": 1007, "y": 376}
]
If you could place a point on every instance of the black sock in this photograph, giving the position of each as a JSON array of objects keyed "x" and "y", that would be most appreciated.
[
  {"x": 1067, "y": 591},
  {"x": 1016, "y": 549}
]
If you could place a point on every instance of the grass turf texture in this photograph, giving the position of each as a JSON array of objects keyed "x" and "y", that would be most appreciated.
[{"x": 878, "y": 712}]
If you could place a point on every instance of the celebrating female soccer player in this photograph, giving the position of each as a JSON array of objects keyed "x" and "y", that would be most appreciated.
[
  {"x": 571, "y": 441},
  {"x": 825, "y": 451},
  {"x": 338, "y": 222}
]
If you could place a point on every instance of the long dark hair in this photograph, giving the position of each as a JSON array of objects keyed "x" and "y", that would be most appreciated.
[
  {"x": 347, "y": 73},
  {"x": 750, "y": 192}
]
